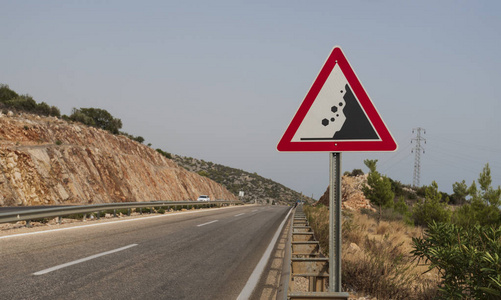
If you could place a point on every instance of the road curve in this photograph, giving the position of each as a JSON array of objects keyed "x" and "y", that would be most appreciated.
[{"x": 204, "y": 255}]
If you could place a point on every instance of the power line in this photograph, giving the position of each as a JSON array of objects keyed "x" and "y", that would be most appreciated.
[
  {"x": 386, "y": 166},
  {"x": 466, "y": 143}
]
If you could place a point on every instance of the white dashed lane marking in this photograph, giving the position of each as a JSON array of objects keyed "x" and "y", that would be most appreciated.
[
  {"x": 82, "y": 260},
  {"x": 200, "y": 225}
]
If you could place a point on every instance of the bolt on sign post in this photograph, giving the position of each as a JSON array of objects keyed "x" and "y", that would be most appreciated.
[{"x": 336, "y": 116}]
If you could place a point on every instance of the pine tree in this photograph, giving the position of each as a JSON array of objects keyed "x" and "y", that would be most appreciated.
[{"x": 378, "y": 188}]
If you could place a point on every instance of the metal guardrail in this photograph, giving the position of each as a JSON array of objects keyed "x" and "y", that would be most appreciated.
[
  {"x": 303, "y": 259},
  {"x": 51, "y": 212}
]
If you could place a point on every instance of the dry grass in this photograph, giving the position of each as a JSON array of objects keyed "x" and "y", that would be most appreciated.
[{"x": 376, "y": 258}]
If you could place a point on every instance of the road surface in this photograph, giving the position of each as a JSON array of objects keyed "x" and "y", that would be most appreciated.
[{"x": 206, "y": 254}]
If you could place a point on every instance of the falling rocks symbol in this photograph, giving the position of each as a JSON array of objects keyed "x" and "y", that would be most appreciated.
[{"x": 357, "y": 126}]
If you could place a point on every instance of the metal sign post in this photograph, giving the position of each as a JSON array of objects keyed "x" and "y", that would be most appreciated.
[{"x": 335, "y": 222}]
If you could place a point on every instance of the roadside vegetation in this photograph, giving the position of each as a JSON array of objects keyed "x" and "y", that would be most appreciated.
[
  {"x": 376, "y": 258},
  {"x": 420, "y": 243}
]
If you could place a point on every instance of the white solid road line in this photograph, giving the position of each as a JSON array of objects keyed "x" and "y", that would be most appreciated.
[
  {"x": 239, "y": 215},
  {"x": 82, "y": 260},
  {"x": 200, "y": 225},
  {"x": 258, "y": 270}
]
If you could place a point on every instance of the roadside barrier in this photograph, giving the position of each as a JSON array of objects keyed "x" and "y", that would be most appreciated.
[
  {"x": 305, "y": 262},
  {"x": 51, "y": 212}
]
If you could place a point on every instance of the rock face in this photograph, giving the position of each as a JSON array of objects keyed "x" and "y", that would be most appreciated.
[
  {"x": 46, "y": 161},
  {"x": 351, "y": 193}
]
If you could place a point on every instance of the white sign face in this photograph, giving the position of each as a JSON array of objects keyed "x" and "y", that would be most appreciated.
[
  {"x": 326, "y": 116},
  {"x": 240, "y": 194},
  {"x": 336, "y": 114}
]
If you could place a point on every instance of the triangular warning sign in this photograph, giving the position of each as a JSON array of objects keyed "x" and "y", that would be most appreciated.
[{"x": 337, "y": 115}]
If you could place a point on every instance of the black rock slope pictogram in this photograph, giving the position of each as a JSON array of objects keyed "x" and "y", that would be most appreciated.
[{"x": 357, "y": 126}]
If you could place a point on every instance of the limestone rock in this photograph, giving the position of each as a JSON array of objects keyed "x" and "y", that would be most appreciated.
[
  {"x": 88, "y": 166},
  {"x": 351, "y": 193},
  {"x": 353, "y": 248}
]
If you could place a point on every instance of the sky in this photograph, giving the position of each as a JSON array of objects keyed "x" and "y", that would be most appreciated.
[{"x": 221, "y": 80}]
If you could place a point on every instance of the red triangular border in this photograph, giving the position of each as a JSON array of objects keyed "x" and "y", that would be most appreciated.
[{"x": 387, "y": 143}]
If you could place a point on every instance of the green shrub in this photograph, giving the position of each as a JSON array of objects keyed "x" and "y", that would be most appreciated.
[
  {"x": 43, "y": 109},
  {"x": 484, "y": 206},
  {"x": 401, "y": 208},
  {"x": 96, "y": 117},
  {"x": 165, "y": 154},
  {"x": 139, "y": 139},
  {"x": 431, "y": 208},
  {"x": 6, "y": 93},
  {"x": 82, "y": 118},
  {"x": 356, "y": 172},
  {"x": 203, "y": 173},
  {"x": 54, "y": 111},
  {"x": 468, "y": 259},
  {"x": 42, "y": 220},
  {"x": 148, "y": 210},
  {"x": 477, "y": 213},
  {"x": 23, "y": 102},
  {"x": 75, "y": 216},
  {"x": 12, "y": 100}
]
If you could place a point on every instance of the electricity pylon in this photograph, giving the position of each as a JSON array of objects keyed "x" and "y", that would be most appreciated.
[{"x": 417, "y": 152}]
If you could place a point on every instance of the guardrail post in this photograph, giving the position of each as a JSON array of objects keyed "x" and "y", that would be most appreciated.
[
  {"x": 114, "y": 213},
  {"x": 128, "y": 212},
  {"x": 98, "y": 215},
  {"x": 59, "y": 220},
  {"x": 140, "y": 210},
  {"x": 28, "y": 223}
]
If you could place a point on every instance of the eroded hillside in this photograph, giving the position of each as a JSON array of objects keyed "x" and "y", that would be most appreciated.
[{"x": 45, "y": 161}]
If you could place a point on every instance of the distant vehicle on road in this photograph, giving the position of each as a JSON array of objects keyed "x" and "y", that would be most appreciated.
[{"x": 203, "y": 198}]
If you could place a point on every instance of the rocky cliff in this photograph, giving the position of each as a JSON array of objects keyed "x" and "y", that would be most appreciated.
[
  {"x": 46, "y": 161},
  {"x": 352, "y": 197}
]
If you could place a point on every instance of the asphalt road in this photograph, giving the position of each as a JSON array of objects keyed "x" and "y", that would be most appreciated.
[{"x": 203, "y": 255}]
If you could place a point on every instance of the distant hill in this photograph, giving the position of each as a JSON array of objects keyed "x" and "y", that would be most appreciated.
[{"x": 255, "y": 187}]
